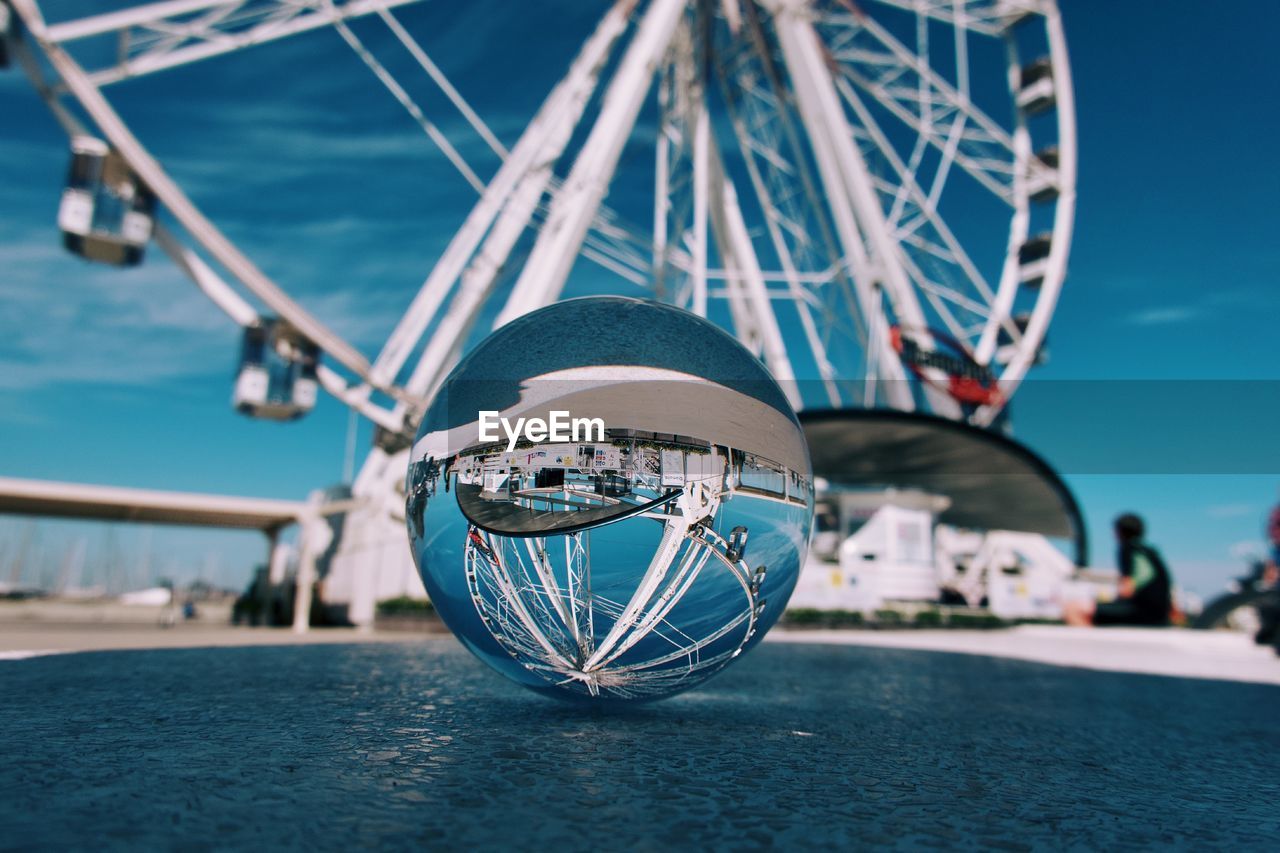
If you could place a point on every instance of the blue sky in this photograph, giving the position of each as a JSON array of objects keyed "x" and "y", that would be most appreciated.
[{"x": 124, "y": 377}]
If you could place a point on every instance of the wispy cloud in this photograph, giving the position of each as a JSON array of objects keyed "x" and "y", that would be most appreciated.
[
  {"x": 1231, "y": 510},
  {"x": 1249, "y": 549},
  {"x": 63, "y": 320},
  {"x": 1164, "y": 316}
]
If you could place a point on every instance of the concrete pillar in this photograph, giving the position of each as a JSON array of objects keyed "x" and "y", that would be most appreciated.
[{"x": 314, "y": 536}]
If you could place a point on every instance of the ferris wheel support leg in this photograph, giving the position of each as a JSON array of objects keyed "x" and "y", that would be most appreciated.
[
  {"x": 575, "y": 206},
  {"x": 701, "y": 189},
  {"x": 314, "y": 536},
  {"x": 661, "y": 191},
  {"x": 540, "y": 145}
]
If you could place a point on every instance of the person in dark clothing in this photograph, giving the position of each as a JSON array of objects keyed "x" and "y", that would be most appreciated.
[
  {"x": 1144, "y": 596},
  {"x": 1271, "y": 572}
]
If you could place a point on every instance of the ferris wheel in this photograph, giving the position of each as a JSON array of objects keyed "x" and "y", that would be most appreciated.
[{"x": 876, "y": 198}]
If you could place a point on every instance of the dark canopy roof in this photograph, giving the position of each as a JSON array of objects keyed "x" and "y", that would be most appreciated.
[
  {"x": 508, "y": 519},
  {"x": 994, "y": 482}
]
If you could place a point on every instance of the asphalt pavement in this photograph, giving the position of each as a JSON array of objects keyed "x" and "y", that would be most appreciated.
[{"x": 415, "y": 744}]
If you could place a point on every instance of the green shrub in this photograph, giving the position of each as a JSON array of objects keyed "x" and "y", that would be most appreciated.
[
  {"x": 405, "y": 606},
  {"x": 803, "y": 616},
  {"x": 848, "y": 618},
  {"x": 889, "y": 617},
  {"x": 976, "y": 620},
  {"x": 928, "y": 619},
  {"x": 809, "y": 617}
]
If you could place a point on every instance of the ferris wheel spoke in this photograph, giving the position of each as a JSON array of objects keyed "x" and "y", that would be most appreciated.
[
  {"x": 936, "y": 298},
  {"x": 442, "y": 82},
  {"x": 480, "y": 248},
  {"x": 787, "y": 191},
  {"x": 851, "y": 233},
  {"x": 893, "y": 74},
  {"x": 989, "y": 19},
  {"x": 773, "y": 178},
  {"x": 662, "y": 603},
  {"x": 159, "y": 36},
  {"x": 694, "y": 647},
  {"x": 854, "y": 203},
  {"x": 165, "y": 36},
  {"x": 537, "y": 550},
  {"x": 488, "y": 562},
  {"x": 410, "y": 105},
  {"x": 902, "y": 185}
]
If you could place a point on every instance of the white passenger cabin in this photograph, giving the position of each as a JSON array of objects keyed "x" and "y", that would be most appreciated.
[
  {"x": 106, "y": 214},
  {"x": 277, "y": 378},
  {"x": 1033, "y": 259},
  {"x": 1036, "y": 92}
]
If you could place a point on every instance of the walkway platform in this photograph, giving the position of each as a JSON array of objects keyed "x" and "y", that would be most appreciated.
[
  {"x": 1175, "y": 652},
  {"x": 114, "y": 503}
]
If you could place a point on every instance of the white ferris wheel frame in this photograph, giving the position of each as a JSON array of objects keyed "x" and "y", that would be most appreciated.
[{"x": 835, "y": 60}]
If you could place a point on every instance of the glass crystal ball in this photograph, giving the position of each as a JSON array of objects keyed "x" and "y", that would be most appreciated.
[{"x": 609, "y": 499}]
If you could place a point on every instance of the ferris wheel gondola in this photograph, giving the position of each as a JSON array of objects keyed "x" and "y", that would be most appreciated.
[
  {"x": 106, "y": 213},
  {"x": 277, "y": 377}
]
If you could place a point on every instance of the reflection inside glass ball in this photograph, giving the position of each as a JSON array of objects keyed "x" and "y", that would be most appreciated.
[{"x": 628, "y": 566}]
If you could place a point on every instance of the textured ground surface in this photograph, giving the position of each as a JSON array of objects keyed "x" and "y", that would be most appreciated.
[{"x": 414, "y": 744}]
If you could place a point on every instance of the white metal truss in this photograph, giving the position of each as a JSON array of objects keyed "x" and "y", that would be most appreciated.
[
  {"x": 694, "y": 195},
  {"x": 803, "y": 82},
  {"x": 852, "y": 236},
  {"x": 510, "y": 200},
  {"x": 876, "y": 261},
  {"x": 799, "y": 231},
  {"x": 536, "y": 597},
  {"x": 544, "y": 273},
  {"x": 158, "y": 36},
  {"x": 878, "y": 71}
]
